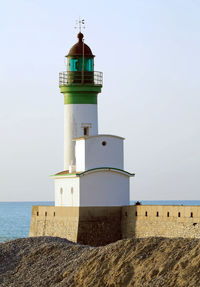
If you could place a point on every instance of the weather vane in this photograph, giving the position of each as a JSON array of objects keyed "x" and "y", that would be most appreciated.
[{"x": 80, "y": 24}]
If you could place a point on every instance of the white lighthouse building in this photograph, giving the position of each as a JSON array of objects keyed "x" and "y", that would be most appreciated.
[{"x": 93, "y": 172}]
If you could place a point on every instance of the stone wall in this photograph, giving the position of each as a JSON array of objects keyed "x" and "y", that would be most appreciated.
[
  {"x": 86, "y": 225},
  {"x": 55, "y": 221},
  {"x": 102, "y": 225},
  {"x": 165, "y": 221}
]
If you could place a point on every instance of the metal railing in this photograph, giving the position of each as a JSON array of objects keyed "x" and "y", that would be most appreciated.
[{"x": 79, "y": 77}]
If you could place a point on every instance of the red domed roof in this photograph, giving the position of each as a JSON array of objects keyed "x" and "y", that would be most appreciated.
[{"x": 77, "y": 49}]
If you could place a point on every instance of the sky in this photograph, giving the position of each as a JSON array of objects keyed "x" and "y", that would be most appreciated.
[{"x": 148, "y": 51}]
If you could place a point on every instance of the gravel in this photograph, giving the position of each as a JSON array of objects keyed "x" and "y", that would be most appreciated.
[{"x": 53, "y": 261}]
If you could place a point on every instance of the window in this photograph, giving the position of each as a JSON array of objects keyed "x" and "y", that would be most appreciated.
[
  {"x": 157, "y": 213},
  {"x": 191, "y": 214},
  {"x": 86, "y": 131},
  {"x": 54, "y": 214},
  {"x": 37, "y": 213},
  {"x": 74, "y": 65},
  {"x": 145, "y": 213},
  {"x": 136, "y": 213},
  {"x": 90, "y": 65},
  {"x": 45, "y": 213},
  {"x": 179, "y": 214},
  {"x": 168, "y": 214}
]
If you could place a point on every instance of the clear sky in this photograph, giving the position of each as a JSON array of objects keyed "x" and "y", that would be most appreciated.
[{"x": 149, "y": 52}]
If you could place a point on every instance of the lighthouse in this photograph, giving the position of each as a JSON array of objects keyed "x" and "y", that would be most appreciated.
[
  {"x": 93, "y": 188},
  {"x": 93, "y": 172}
]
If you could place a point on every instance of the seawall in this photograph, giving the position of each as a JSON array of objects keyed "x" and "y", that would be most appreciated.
[
  {"x": 86, "y": 225},
  {"x": 102, "y": 225},
  {"x": 160, "y": 221}
]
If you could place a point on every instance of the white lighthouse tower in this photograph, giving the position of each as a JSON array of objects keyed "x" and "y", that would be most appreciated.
[
  {"x": 94, "y": 172},
  {"x": 80, "y": 86}
]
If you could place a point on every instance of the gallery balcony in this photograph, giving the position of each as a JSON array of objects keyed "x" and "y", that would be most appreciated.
[{"x": 80, "y": 78}]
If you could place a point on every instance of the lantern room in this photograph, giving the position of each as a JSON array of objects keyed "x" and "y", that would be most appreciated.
[
  {"x": 80, "y": 63},
  {"x": 80, "y": 57}
]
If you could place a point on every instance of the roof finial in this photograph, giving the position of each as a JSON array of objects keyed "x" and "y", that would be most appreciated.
[{"x": 80, "y": 24}]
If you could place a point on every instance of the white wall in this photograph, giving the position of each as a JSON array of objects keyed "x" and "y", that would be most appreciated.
[
  {"x": 68, "y": 198},
  {"x": 90, "y": 153},
  {"x": 104, "y": 188},
  {"x": 80, "y": 155},
  {"x": 75, "y": 116}
]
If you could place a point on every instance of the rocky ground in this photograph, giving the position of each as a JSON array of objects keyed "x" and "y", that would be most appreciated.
[{"x": 152, "y": 262}]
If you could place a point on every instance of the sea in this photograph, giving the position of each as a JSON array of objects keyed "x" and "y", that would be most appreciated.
[{"x": 15, "y": 217}]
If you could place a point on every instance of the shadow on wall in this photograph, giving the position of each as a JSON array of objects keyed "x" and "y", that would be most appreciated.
[
  {"x": 103, "y": 225},
  {"x": 99, "y": 226}
]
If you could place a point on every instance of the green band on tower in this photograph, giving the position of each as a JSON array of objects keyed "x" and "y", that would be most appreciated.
[
  {"x": 80, "y": 94},
  {"x": 80, "y": 99}
]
